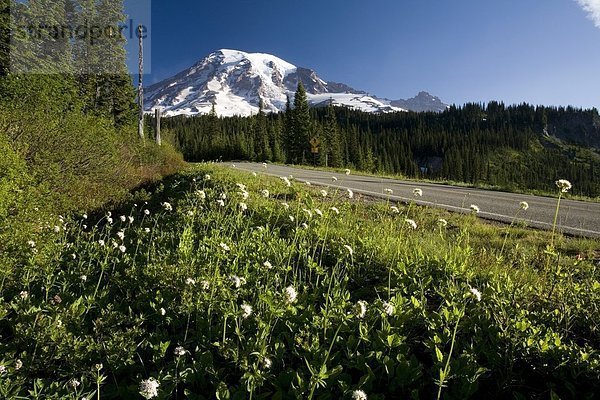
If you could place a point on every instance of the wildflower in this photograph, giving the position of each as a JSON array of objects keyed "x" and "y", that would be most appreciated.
[
  {"x": 350, "y": 193},
  {"x": 304, "y": 225},
  {"x": 23, "y": 294},
  {"x": 411, "y": 222},
  {"x": 224, "y": 246},
  {"x": 442, "y": 222},
  {"x": 179, "y": 351},
  {"x": 267, "y": 363},
  {"x": 360, "y": 309},
  {"x": 254, "y": 174},
  {"x": 286, "y": 181},
  {"x": 335, "y": 210},
  {"x": 201, "y": 194},
  {"x": 83, "y": 278},
  {"x": 268, "y": 264},
  {"x": 221, "y": 203},
  {"x": 389, "y": 308},
  {"x": 323, "y": 192},
  {"x": 388, "y": 191},
  {"x": 2, "y": 369},
  {"x": 99, "y": 366},
  {"x": 334, "y": 179},
  {"x": 290, "y": 294},
  {"x": 190, "y": 213},
  {"x": 190, "y": 281},
  {"x": 243, "y": 207},
  {"x": 359, "y": 395},
  {"x": 241, "y": 186},
  {"x": 349, "y": 249},
  {"x": 395, "y": 210},
  {"x": 264, "y": 165},
  {"x": 292, "y": 218},
  {"x": 347, "y": 171},
  {"x": 121, "y": 235},
  {"x": 232, "y": 165},
  {"x": 56, "y": 229},
  {"x": 205, "y": 285},
  {"x": 162, "y": 311},
  {"x": 122, "y": 248},
  {"x": 74, "y": 383},
  {"x": 318, "y": 212},
  {"x": 474, "y": 208},
  {"x": 265, "y": 193},
  {"x": 167, "y": 206},
  {"x": 285, "y": 205},
  {"x": 147, "y": 230},
  {"x": 74, "y": 256},
  {"x": 207, "y": 177},
  {"x": 109, "y": 220},
  {"x": 236, "y": 281},
  {"x": 31, "y": 244},
  {"x": 308, "y": 212},
  {"x": 130, "y": 219},
  {"x": 84, "y": 216},
  {"x": 524, "y": 205},
  {"x": 101, "y": 242},
  {"x": 308, "y": 183},
  {"x": 223, "y": 196},
  {"x": 18, "y": 365},
  {"x": 149, "y": 388},
  {"x": 476, "y": 293},
  {"x": 246, "y": 310},
  {"x": 564, "y": 185},
  {"x": 123, "y": 218},
  {"x": 417, "y": 192},
  {"x": 84, "y": 227}
]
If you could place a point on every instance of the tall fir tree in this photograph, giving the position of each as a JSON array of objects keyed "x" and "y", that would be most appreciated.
[{"x": 302, "y": 127}]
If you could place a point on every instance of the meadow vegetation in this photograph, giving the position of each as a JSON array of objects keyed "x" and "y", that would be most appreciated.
[{"x": 216, "y": 283}]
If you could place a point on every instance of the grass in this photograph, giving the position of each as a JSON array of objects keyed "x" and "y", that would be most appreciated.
[{"x": 238, "y": 286}]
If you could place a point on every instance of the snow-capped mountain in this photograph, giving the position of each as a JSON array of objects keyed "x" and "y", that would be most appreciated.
[
  {"x": 235, "y": 82},
  {"x": 421, "y": 102}
]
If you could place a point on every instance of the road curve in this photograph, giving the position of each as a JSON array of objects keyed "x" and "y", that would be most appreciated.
[{"x": 577, "y": 218}]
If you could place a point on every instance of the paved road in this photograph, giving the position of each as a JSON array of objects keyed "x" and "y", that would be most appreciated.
[{"x": 576, "y": 217}]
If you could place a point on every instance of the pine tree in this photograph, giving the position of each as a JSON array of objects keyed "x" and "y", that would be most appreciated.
[
  {"x": 302, "y": 127},
  {"x": 332, "y": 139}
]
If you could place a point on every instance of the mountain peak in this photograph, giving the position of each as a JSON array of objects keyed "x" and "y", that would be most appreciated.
[
  {"x": 423, "y": 101},
  {"x": 236, "y": 81}
]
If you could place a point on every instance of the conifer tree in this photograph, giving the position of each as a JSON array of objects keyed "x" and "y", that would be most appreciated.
[{"x": 302, "y": 126}]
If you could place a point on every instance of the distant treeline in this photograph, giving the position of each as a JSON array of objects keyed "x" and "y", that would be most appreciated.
[{"x": 512, "y": 147}]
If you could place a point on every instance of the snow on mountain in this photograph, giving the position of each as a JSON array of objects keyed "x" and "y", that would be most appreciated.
[
  {"x": 236, "y": 81},
  {"x": 421, "y": 102}
]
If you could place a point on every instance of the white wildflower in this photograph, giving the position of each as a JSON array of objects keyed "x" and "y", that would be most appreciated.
[
  {"x": 167, "y": 206},
  {"x": 476, "y": 293},
  {"x": 442, "y": 222},
  {"x": 564, "y": 185},
  {"x": 24, "y": 294},
  {"x": 308, "y": 183},
  {"x": 395, "y": 209},
  {"x": 83, "y": 278},
  {"x": 350, "y": 193},
  {"x": 243, "y": 207},
  {"x": 308, "y": 212},
  {"x": 236, "y": 281},
  {"x": 474, "y": 208},
  {"x": 223, "y": 196},
  {"x": 147, "y": 230},
  {"x": 122, "y": 248},
  {"x": 334, "y": 179},
  {"x": 304, "y": 225},
  {"x": 130, "y": 219},
  {"x": 18, "y": 365},
  {"x": 221, "y": 203},
  {"x": 524, "y": 205},
  {"x": 123, "y": 218},
  {"x": 84, "y": 216},
  {"x": 2, "y": 369},
  {"x": 286, "y": 181},
  {"x": 359, "y": 395},
  {"x": 190, "y": 281},
  {"x": 254, "y": 174},
  {"x": 149, "y": 388},
  {"x": 246, "y": 310},
  {"x": 31, "y": 244},
  {"x": 417, "y": 192},
  {"x": 290, "y": 294},
  {"x": 264, "y": 165},
  {"x": 204, "y": 284},
  {"x": 267, "y": 363},
  {"x": 207, "y": 177},
  {"x": 323, "y": 192},
  {"x": 265, "y": 193},
  {"x": 74, "y": 256},
  {"x": 121, "y": 235},
  {"x": 201, "y": 194},
  {"x": 74, "y": 383},
  {"x": 292, "y": 218},
  {"x": 335, "y": 210},
  {"x": 109, "y": 220},
  {"x": 388, "y": 191},
  {"x": 56, "y": 229},
  {"x": 241, "y": 186},
  {"x": 285, "y": 205},
  {"x": 360, "y": 309},
  {"x": 268, "y": 264},
  {"x": 318, "y": 212},
  {"x": 389, "y": 308},
  {"x": 179, "y": 351},
  {"x": 162, "y": 311},
  {"x": 347, "y": 171},
  {"x": 101, "y": 242},
  {"x": 411, "y": 222}
]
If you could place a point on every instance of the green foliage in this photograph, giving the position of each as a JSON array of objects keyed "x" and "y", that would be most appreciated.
[{"x": 214, "y": 300}]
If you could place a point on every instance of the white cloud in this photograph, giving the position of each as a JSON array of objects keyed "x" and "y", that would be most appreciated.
[{"x": 592, "y": 7}]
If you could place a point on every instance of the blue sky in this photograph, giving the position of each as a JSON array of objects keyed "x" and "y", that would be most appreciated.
[{"x": 537, "y": 51}]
